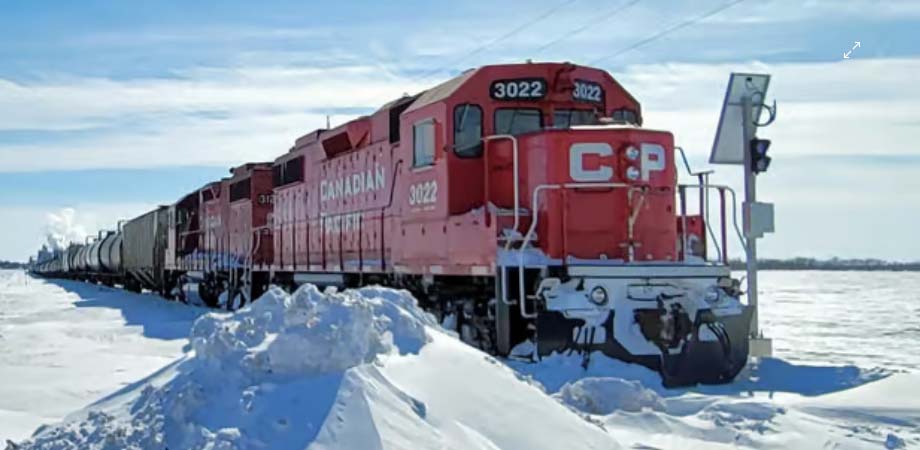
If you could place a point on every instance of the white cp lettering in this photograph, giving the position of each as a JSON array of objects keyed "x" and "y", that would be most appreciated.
[
  {"x": 577, "y": 162},
  {"x": 652, "y": 159}
]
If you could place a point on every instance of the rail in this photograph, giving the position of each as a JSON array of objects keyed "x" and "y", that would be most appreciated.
[
  {"x": 516, "y": 182},
  {"x": 704, "y": 212},
  {"x": 533, "y": 227},
  {"x": 704, "y": 188},
  {"x": 635, "y": 208},
  {"x": 703, "y": 178}
]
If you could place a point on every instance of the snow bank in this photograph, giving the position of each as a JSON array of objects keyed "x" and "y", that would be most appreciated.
[
  {"x": 360, "y": 369},
  {"x": 608, "y": 395},
  {"x": 262, "y": 378},
  {"x": 311, "y": 333}
]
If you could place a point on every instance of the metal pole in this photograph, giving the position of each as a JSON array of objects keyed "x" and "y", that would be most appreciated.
[{"x": 750, "y": 196}]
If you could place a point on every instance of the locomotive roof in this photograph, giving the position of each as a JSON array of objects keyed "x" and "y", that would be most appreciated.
[
  {"x": 447, "y": 88},
  {"x": 441, "y": 91},
  {"x": 361, "y": 126}
]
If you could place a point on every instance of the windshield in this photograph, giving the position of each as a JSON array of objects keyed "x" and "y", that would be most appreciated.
[
  {"x": 565, "y": 118},
  {"x": 515, "y": 121}
]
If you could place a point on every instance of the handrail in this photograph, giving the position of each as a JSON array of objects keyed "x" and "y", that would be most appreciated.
[
  {"x": 704, "y": 206},
  {"x": 683, "y": 156},
  {"x": 183, "y": 234},
  {"x": 631, "y": 223},
  {"x": 734, "y": 205},
  {"x": 703, "y": 178},
  {"x": 533, "y": 227},
  {"x": 516, "y": 175}
]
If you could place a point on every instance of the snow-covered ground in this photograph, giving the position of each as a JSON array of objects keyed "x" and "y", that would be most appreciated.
[
  {"x": 367, "y": 369},
  {"x": 867, "y": 319},
  {"x": 65, "y": 344}
]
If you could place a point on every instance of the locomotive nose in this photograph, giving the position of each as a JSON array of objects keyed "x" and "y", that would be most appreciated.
[{"x": 674, "y": 327}]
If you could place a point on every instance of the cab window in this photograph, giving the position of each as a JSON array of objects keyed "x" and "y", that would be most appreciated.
[
  {"x": 240, "y": 190},
  {"x": 423, "y": 143},
  {"x": 626, "y": 116},
  {"x": 515, "y": 121},
  {"x": 468, "y": 130},
  {"x": 566, "y": 118}
]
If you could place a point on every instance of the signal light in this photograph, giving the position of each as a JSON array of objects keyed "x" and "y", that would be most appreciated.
[{"x": 760, "y": 162}]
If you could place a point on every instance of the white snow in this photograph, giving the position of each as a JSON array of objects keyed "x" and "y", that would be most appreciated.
[
  {"x": 772, "y": 404},
  {"x": 866, "y": 319},
  {"x": 65, "y": 344},
  {"x": 367, "y": 369},
  {"x": 358, "y": 369}
]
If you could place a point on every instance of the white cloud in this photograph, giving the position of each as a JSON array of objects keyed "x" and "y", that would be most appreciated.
[
  {"x": 228, "y": 116},
  {"x": 257, "y": 114},
  {"x": 840, "y": 126},
  {"x": 74, "y": 103},
  {"x": 848, "y": 107}
]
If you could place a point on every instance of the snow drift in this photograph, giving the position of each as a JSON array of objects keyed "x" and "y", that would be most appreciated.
[{"x": 358, "y": 369}]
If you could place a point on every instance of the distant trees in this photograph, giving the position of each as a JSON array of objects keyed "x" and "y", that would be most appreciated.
[
  {"x": 802, "y": 263},
  {"x": 11, "y": 265}
]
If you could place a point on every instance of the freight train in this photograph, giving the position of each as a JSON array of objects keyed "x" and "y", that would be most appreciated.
[{"x": 523, "y": 204}]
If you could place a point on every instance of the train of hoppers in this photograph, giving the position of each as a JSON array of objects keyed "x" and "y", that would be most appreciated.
[{"x": 522, "y": 204}]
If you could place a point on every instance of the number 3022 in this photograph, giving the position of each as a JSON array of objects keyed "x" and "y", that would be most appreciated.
[
  {"x": 423, "y": 193},
  {"x": 520, "y": 89}
]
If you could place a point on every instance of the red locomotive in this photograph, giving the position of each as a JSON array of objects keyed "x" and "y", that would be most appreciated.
[{"x": 520, "y": 203}]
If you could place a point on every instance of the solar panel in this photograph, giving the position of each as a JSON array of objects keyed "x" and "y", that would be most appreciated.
[{"x": 729, "y": 145}]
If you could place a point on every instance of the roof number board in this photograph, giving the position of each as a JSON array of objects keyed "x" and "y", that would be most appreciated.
[
  {"x": 588, "y": 91},
  {"x": 518, "y": 89}
]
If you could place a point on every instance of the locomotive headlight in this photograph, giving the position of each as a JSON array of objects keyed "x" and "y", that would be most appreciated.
[
  {"x": 632, "y": 173},
  {"x": 632, "y": 153},
  {"x": 598, "y": 296}
]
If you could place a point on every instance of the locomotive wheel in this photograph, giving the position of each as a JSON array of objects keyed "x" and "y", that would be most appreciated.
[{"x": 209, "y": 291}]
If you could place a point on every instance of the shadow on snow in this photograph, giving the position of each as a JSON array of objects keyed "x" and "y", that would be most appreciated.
[
  {"x": 158, "y": 317},
  {"x": 768, "y": 375}
]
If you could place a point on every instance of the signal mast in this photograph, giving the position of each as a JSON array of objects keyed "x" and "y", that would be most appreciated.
[{"x": 736, "y": 143}]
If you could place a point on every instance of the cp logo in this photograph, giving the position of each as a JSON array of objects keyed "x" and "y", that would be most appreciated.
[{"x": 651, "y": 159}]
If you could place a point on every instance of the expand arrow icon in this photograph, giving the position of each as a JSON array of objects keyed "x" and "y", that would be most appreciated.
[{"x": 856, "y": 44}]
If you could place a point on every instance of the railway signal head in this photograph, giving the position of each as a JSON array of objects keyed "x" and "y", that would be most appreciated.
[{"x": 760, "y": 162}]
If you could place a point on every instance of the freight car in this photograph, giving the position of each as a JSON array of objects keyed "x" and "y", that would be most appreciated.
[{"x": 524, "y": 204}]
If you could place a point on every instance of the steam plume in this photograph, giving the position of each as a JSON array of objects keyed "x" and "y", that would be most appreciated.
[{"x": 62, "y": 229}]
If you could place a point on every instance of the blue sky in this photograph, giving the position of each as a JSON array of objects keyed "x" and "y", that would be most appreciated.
[{"x": 110, "y": 107}]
